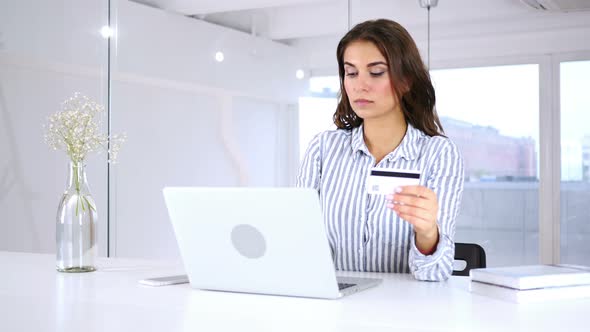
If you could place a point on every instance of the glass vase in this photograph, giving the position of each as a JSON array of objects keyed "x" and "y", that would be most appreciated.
[{"x": 76, "y": 224}]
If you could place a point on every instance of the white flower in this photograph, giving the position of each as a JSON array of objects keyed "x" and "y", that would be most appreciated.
[{"x": 76, "y": 130}]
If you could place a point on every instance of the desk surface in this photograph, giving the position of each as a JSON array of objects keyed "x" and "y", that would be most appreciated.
[{"x": 34, "y": 297}]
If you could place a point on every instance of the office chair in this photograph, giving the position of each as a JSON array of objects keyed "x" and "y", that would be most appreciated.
[{"x": 473, "y": 254}]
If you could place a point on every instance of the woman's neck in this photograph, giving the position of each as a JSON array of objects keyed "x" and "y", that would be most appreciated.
[{"x": 382, "y": 136}]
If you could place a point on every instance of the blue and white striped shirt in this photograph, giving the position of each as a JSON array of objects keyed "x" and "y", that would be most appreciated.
[{"x": 363, "y": 233}]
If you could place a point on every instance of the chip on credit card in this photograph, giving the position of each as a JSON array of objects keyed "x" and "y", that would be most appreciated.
[{"x": 383, "y": 181}]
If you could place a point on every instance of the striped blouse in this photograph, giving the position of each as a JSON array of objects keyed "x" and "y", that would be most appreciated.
[{"x": 364, "y": 234}]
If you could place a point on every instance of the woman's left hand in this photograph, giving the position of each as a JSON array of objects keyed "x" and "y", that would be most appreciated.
[{"x": 417, "y": 205}]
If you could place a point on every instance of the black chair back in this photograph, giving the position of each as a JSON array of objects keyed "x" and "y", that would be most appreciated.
[{"x": 473, "y": 254}]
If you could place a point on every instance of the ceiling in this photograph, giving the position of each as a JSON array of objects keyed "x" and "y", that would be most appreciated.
[
  {"x": 286, "y": 20},
  {"x": 316, "y": 25}
]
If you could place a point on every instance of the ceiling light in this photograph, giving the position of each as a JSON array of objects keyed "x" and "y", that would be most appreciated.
[
  {"x": 219, "y": 56},
  {"x": 300, "y": 74},
  {"x": 106, "y": 32},
  {"x": 428, "y": 3}
]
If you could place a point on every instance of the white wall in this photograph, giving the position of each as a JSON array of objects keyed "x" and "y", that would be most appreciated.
[
  {"x": 192, "y": 121},
  {"x": 189, "y": 120}
]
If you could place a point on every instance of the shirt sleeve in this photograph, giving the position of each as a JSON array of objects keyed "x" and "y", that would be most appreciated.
[
  {"x": 310, "y": 170},
  {"x": 446, "y": 180}
]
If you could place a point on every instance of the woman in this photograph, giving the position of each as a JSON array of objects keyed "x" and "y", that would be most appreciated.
[{"x": 386, "y": 119}]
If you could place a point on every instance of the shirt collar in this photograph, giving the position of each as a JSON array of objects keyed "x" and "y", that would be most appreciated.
[
  {"x": 358, "y": 141},
  {"x": 408, "y": 147}
]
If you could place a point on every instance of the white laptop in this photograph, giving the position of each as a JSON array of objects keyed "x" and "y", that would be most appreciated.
[{"x": 256, "y": 240}]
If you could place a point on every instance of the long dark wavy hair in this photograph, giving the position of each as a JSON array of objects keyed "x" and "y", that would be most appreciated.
[{"x": 409, "y": 76}]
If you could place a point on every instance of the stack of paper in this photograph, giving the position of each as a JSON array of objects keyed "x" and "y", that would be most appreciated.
[{"x": 532, "y": 283}]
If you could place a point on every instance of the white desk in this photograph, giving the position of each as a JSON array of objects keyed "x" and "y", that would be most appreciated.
[{"x": 34, "y": 297}]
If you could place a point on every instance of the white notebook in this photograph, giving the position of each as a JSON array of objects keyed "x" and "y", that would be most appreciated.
[
  {"x": 533, "y": 276},
  {"x": 530, "y": 295}
]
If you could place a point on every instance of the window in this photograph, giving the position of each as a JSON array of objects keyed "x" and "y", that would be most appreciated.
[
  {"x": 492, "y": 114},
  {"x": 315, "y": 112},
  {"x": 575, "y": 162}
]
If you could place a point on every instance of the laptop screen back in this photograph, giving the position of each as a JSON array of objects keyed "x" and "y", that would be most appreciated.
[{"x": 254, "y": 240}]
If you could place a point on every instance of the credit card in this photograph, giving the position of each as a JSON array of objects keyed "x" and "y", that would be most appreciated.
[{"x": 383, "y": 181}]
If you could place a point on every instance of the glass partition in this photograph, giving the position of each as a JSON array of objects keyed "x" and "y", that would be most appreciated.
[{"x": 48, "y": 51}]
